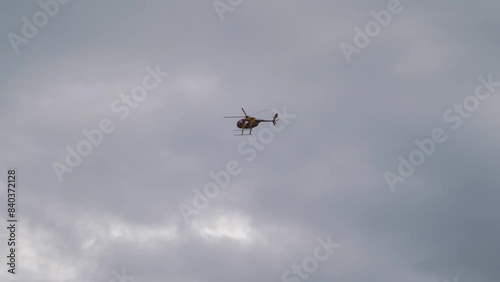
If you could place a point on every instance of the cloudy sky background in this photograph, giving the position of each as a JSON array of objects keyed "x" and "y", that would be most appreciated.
[{"x": 322, "y": 175}]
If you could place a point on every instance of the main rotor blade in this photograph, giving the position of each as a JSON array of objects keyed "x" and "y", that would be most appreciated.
[
  {"x": 244, "y": 112},
  {"x": 236, "y": 117}
]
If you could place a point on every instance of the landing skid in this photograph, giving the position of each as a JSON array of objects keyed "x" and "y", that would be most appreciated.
[{"x": 246, "y": 129}]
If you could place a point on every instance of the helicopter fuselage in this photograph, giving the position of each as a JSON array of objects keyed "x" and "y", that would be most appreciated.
[{"x": 251, "y": 123}]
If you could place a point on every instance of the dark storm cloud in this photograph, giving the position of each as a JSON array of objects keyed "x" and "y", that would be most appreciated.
[{"x": 322, "y": 175}]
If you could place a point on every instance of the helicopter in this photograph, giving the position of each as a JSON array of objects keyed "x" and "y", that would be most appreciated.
[{"x": 248, "y": 123}]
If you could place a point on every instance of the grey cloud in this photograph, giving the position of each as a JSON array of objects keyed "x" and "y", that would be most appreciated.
[{"x": 323, "y": 174}]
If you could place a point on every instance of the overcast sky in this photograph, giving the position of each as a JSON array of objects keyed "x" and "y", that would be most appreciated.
[{"x": 323, "y": 175}]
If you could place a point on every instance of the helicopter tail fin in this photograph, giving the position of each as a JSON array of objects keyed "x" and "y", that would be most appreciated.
[{"x": 275, "y": 118}]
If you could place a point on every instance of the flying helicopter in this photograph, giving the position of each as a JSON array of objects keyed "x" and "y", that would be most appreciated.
[{"x": 248, "y": 123}]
